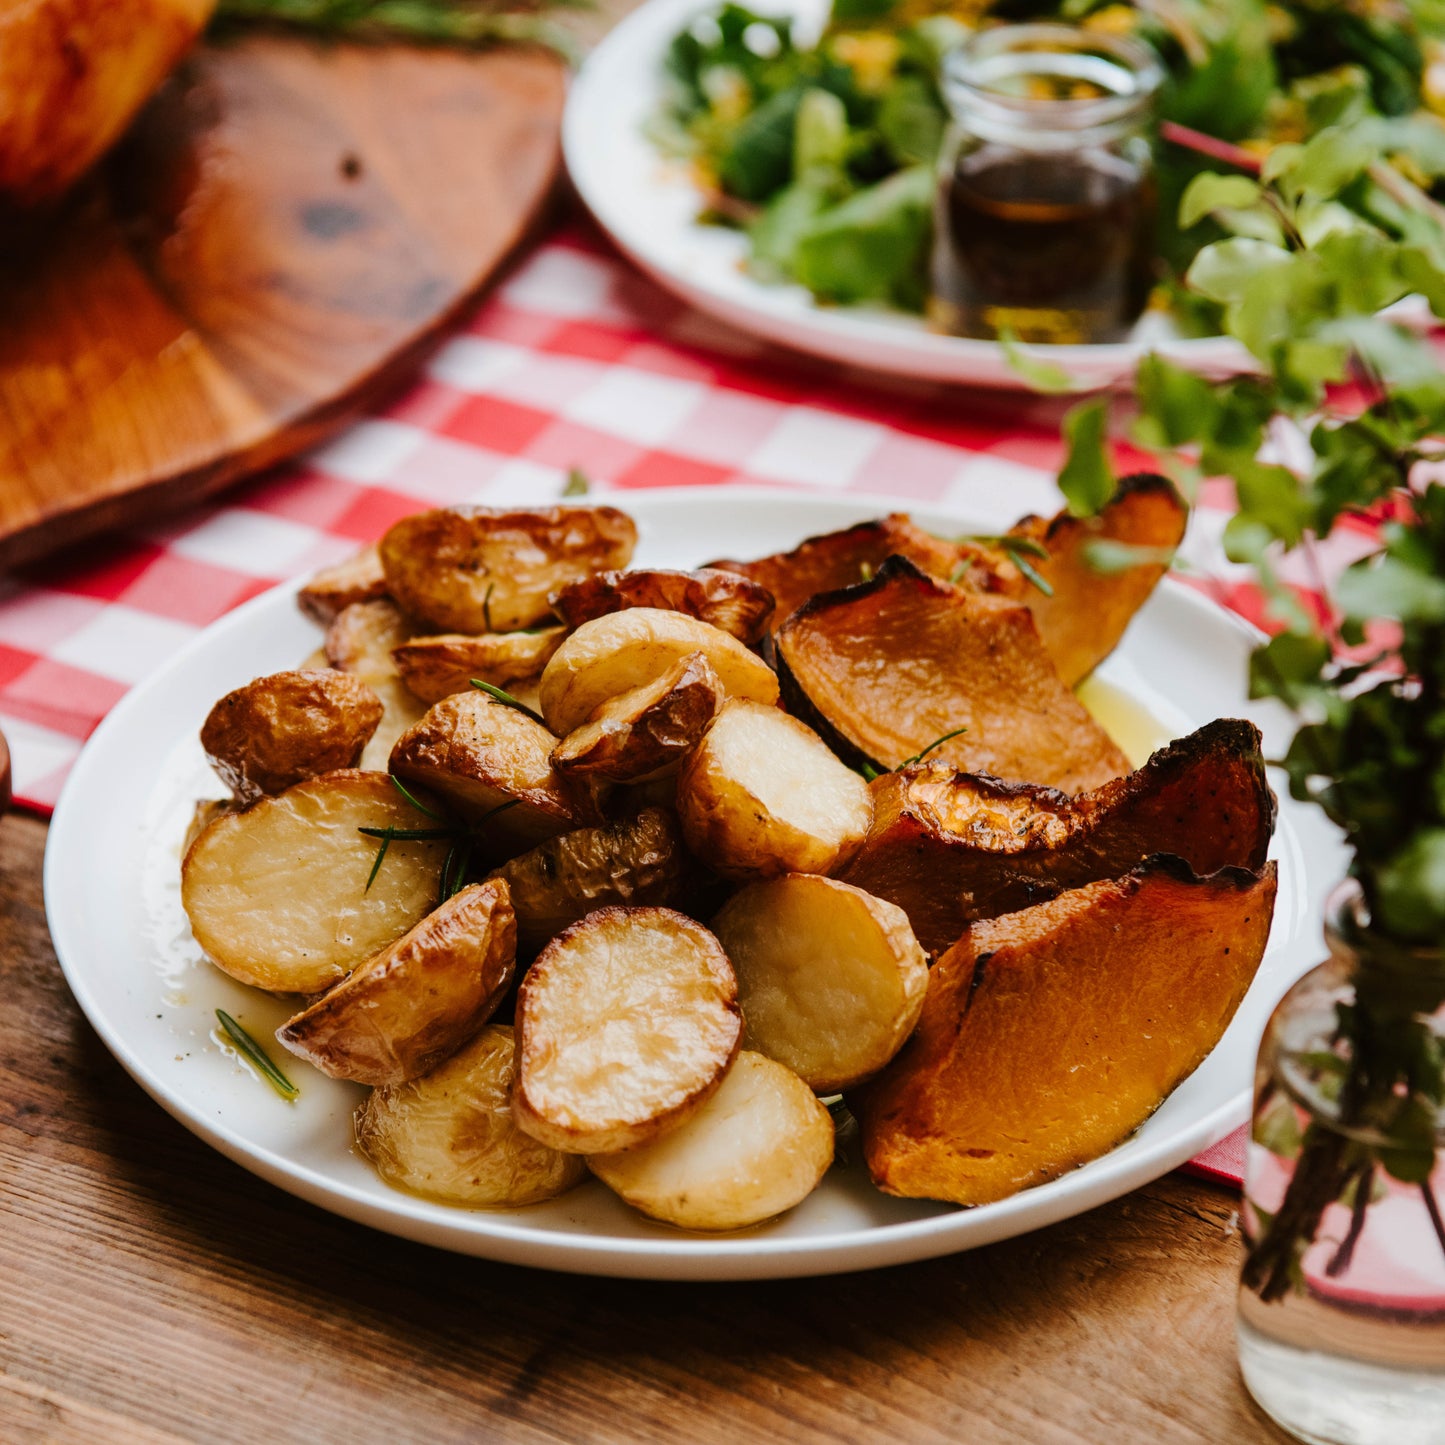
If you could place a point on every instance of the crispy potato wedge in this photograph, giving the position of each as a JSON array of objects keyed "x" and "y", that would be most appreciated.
[
  {"x": 418, "y": 1001},
  {"x": 762, "y": 795},
  {"x": 949, "y": 848},
  {"x": 646, "y": 732},
  {"x": 626, "y": 1024},
  {"x": 360, "y": 642},
  {"x": 831, "y": 980},
  {"x": 886, "y": 668},
  {"x": 726, "y": 600},
  {"x": 840, "y": 559},
  {"x": 278, "y": 895},
  {"x": 633, "y": 860},
  {"x": 1049, "y": 1035},
  {"x": 623, "y": 650},
  {"x": 330, "y": 591},
  {"x": 279, "y": 729},
  {"x": 436, "y": 667},
  {"x": 450, "y": 1135},
  {"x": 1084, "y": 618},
  {"x": 480, "y": 754},
  {"x": 760, "y": 1145},
  {"x": 487, "y": 569}
]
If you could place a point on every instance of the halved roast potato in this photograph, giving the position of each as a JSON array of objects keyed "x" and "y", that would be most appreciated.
[
  {"x": 419, "y": 1000},
  {"x": 760, "y": 1145},
  {"x": 727, "y": 600},
  {"x": 358, "y": 579},
  {"x": 630, "y": 861},
  {"x": 279, "y": 897},
  {"x": 840, "y": 559},
  {"x": 480, "y": 754},
  {"x": 761, "y": 794},
  {"x": 623, "y": 650},
  {"x": 626, "y": 1024},
  {"x": 450, "y": 1134},
  {"x": 830, "y": 979},
  {"x": 949, "y": 848},
  {"x": 287, "y": 726},
  {"x": 489, "y": 569},
  {"x": 436, "y": 667},
  {"x": 646, "y": 732},
  {"x": 886, "y": 668},
  {"x": 1050, "y": 1034},
  {"x": 359, "y": 642},
  {"x": 1084, "y": 617}
]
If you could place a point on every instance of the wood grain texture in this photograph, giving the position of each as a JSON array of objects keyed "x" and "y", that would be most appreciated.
[
  {"x": 284, "y": 232},
  {"x": 154, "y": 1292}
]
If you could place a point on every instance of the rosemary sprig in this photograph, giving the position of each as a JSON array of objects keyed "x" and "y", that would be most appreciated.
[
  {"x": 412, "y": 798},
  {"x": 577, "y": 484},
  {"x": 869, "y": 772},
  {"x": 256, "y": 1056},
  {"x": 487, "y": 606},
  {"x": 462, "y": 837},
  {"x": 503, "y": 696},
  {"x": 1018, "y": 550}
]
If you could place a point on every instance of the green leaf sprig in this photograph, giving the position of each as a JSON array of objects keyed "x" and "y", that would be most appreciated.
[{"x": 256, "y": 1056}]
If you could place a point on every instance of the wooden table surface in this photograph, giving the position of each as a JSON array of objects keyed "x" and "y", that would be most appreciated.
[{"x": 152, "y": 1291}]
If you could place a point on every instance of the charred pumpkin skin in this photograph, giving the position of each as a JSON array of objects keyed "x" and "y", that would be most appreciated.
[
  {"x": 950, "y": 848},
  {"x": 884, "y": 669},
  {"x": 1086, "y": 614},
  {"x": 1049, "y": 1035}
]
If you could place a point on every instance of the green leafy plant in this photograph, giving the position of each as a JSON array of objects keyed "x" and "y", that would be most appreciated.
[{"x": 1344, "y": 420}]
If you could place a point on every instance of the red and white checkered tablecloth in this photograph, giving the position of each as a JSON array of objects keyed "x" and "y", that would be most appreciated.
[{"x": 574, "y": 361}]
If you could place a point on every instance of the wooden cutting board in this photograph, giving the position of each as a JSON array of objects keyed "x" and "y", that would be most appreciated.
[{"x": 286, "y": 230}]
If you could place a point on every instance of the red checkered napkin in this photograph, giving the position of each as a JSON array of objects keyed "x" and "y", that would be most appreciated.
[{"x": 576, "y": 361}]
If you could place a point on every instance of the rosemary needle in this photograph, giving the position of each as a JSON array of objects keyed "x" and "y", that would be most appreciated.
[
  {"x": 502, "y": 695},
  {"x": 257, "y": 1057}
]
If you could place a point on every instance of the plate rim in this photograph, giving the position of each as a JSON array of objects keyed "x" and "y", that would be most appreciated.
[{"x": 500, "y": 1236}]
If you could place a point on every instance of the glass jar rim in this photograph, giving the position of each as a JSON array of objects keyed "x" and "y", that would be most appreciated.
[{"x": 1126, "y": 70}]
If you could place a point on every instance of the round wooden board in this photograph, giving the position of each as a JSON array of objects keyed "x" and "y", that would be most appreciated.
[{"x": 287, "y": 228}]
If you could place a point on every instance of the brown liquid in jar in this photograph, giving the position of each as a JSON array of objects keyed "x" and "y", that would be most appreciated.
[{"x": 1053, "y": 247}]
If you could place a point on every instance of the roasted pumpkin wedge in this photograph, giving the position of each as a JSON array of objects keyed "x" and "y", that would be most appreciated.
[
  {"x": 1084, "y": 611},
  {"x": 287, "y": 726},
  {"x": 418, "y": 1001},
  {"x": 727, "y": 600},
  {"x": 885, "y": 669},
  {"x": 839, "y": 559},
  {"x": 949, "y": 848},
  {"x": 646, "y": 732},
  {"x": 1049, "y": 1035},
  {"x": 485, "y": 569},
  {"x": 633, "y": 860},
  {"x": 436, "y": 667}
]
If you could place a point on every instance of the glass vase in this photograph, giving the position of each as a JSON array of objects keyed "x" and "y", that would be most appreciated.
[{"x": 1341, "y": 1321}]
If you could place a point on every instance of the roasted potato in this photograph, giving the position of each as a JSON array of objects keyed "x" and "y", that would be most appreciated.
[
  {"x": 358, "y": 579},
  {"x": 486, "y": 569},
  {"x": 887, "y": 668},
  {"x": 450, "y": 1134},
  {"x": 418, "y": 1001},
  {"x": 950, "y": 848},
  {"x": 360, "y": 642},
  {"x": 480, "y": 754},
  {"x": 206, "y": 812},
  {"x": 634, "y": 860},
  {"x": 281, "y": 896},
  {"x": 726, "y": 600},
  {"x": 436, "y": 667},
  {"x": 646, "y": 732},
  {"x": 624, "y": 650},
  {"x": 760, "y": 1145},
  {"x": 1051, "y": 1034},
  {"x": 626, "y": 1024},
  {"x": 277, "y": 730},
  {"x": 762, "y": 795},
  {"x": 830, "y": 980}
]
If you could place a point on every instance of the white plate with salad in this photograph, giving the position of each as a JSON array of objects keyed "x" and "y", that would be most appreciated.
[{"x": 113, "y": 900}]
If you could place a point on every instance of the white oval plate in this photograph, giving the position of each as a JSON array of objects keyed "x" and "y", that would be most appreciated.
[
  {"x": 113, "y": 901},
  {"x": 649, "y": 206}
]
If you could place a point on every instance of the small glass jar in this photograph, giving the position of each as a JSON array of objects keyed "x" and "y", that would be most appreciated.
[
  {"x": 1342, "y": 1300},
  {"x": 1046, "y": 203}
]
